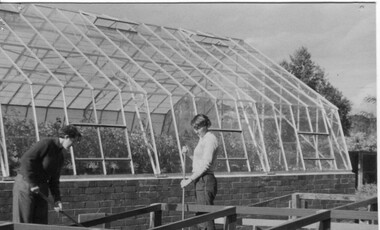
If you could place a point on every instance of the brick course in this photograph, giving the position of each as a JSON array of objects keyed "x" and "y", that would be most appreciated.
[{"x": 122, "y": 194}]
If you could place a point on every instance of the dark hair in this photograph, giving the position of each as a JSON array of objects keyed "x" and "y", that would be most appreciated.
[
  {"x": 199, "y": 121},
  {"x": 71, "y": 131}
]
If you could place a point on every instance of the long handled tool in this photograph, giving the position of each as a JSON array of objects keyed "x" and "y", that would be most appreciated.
[
  {"x": 183, "y": 189},
  {"x": 61, "y": 211}
]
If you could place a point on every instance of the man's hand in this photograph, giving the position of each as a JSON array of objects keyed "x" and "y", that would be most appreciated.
[
  {"x": 58, "y": 206},
  {"x": 185, "y": 183},
  {"x": 35, "y": 189},
  {"x": 185, "y": 152},
  {"x": 185, "y": 149}
]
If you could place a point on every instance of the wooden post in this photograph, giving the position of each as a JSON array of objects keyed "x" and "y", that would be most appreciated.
[
  {"x": 230, "y": 222},
  {"x": 324, "y": 224},
  {"x": 372, "y": 208},
  {"x": 360, "y": 170},
  {"x": 155, "y": 219},
  {"x": 295, "y": 203},
  {"x": 303, "y": 204}
]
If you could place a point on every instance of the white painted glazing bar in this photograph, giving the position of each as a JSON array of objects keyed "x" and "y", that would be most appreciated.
[
  {"x": 204, "y": 75},
  {"x": 257, "y": 78},
  {"x": 281, "y": 144},
  {"x": 56, "y": 51},
  {"x": 227, "y": 67},
  {"x": 179, "y": 68},
  {"x": 122, "y": 51},
  {"x": 4, "y": 153},
  {"x": 32, "y": 53},
  {"x": 67, "y": 122},
  {"x": 277, "y": 65},
  {"x": 98, "y": 132},
  {"x": 34, "y": 113}
]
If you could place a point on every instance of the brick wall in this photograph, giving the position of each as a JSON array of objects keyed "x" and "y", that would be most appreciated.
[{"x": 115, "y": 195}]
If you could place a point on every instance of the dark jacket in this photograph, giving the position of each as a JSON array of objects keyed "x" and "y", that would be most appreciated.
[{"x": 42, "y": 163}]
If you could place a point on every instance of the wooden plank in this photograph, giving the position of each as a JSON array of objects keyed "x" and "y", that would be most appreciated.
[
  {"x": 242, "y": 210},
  {"x": 227, "y": 211},
  {"x": 267, "y": 223},
  {"x": 155, "y": 218},
  {"x": 275, "y": 211},
  {"x": 358, "y": 204},
  {"x": 325, "y": 196},
  {"x": 6, "y": 226},
  {"x": 347, "y": 226},
  {"x": 110, "y": 218},
  {"x": 284, "y": 212},
  {"x": 354, "y": 215},
  {"x": 271, "y": 200},
  {"x": 222, "y": 220},
  {"x": 334, "y": 225},
  {"x": 301, "y": 222},
  {"x": 22, "y": 226},
  {"x": 83, "y": 217}
]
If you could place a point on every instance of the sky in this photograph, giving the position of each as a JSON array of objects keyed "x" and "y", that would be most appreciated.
[{"x": 341, "y": 37}]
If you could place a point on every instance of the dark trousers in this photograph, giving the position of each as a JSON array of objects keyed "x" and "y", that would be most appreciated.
[
  {"x": 205, "y": 192},
  {"x": 29, "y": 207}
]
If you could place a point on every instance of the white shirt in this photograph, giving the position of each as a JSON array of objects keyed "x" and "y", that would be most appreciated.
[{"x": 205, "y": 153}]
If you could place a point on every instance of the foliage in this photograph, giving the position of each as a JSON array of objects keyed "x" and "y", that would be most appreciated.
[
  {"x": 361, "y": 142},
  {"x": 363, "y": 130},
  {"x": 20, "y": 137},
  {"x": 302, "y": 66},
  {"x": 366, "y": 191}
]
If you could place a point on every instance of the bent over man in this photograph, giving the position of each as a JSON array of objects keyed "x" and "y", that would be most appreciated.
[{"x": 40, "y": 170}]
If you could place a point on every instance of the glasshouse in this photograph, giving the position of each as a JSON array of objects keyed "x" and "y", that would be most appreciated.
[{"x": 132, "y": 89}]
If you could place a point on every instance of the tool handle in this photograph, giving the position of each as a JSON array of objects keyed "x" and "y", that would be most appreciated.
[
  {"x": 61, "y": 211},
  {"x": 183, "y": 189}
]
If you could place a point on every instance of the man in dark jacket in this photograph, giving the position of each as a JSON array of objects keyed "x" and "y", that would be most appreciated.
[{"x": 40, "y": 170}]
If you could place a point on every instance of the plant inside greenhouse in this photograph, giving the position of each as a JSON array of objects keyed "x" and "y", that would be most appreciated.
[{"x": 132, "y": 89}]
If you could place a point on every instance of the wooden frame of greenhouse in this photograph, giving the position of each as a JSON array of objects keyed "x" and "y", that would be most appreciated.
[{"x": 132, "y": 89}]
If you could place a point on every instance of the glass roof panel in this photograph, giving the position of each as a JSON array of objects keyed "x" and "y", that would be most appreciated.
[{"x": 209, "y": 71}]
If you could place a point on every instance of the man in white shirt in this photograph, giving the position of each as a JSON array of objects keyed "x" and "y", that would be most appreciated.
[{"x": 204, "y": 161}]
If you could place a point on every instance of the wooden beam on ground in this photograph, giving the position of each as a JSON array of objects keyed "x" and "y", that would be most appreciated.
[
  {"x": 131, "y": 213},
  {"x": 358, "y": 204},
  {"x": 325, "y": 196},
  {"x": 354, "y": 215},
  {"x": 265, "y": 223},
  {"x": 23, "y": 226},
  {"x": 271, "y": 200},
  {"x": 242, "y": 210},
  {"x": 225, "y": 212},
  {"x": 324, "y": 216}
]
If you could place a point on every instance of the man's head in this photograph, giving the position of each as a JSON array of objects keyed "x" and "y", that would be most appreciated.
[
  {"x": 200, "y": 124},
  {"x": 69, "y": 134},
  {"x": 199, "y": 121}
]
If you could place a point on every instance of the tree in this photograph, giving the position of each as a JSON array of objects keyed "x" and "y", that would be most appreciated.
[{"x": 302, "y": 66}]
